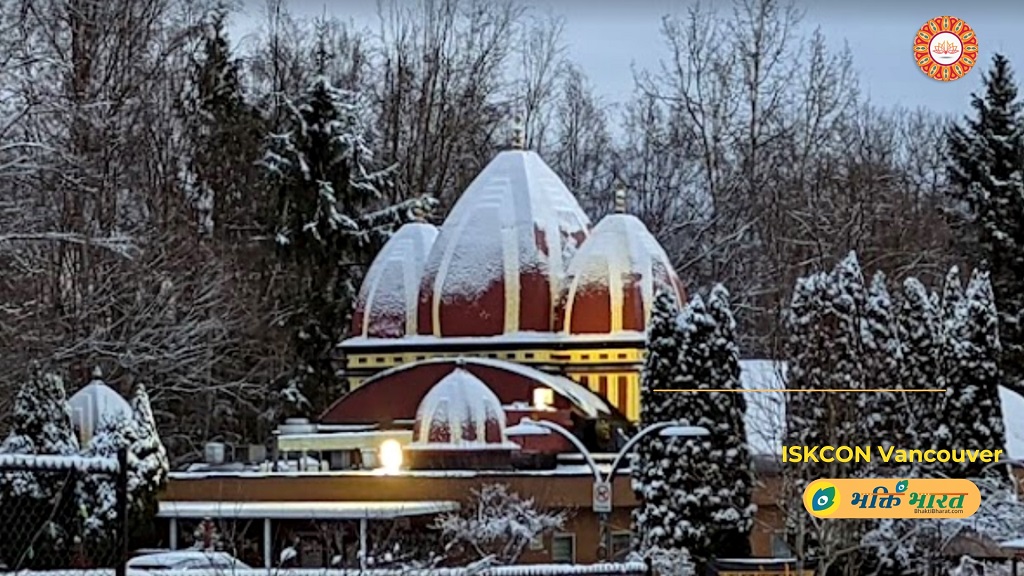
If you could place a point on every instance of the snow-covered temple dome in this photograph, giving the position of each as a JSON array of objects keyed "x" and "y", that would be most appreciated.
[
  {"x": 613, "y": 279},
  {"x": 461, "y": 412},
  {"x": 93, "y": 404},
  {"x": 386, "y": 305},
  {"x": 500, "y": 258}
]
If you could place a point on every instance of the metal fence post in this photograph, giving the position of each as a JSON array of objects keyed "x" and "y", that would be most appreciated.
[{"x": 121, "y": 490}]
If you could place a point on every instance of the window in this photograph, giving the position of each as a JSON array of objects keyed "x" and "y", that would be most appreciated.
[
  {"x": 779, "y": 547},
  {"x": 584, "y": 380},
  {"x": 585, "y": 356},
  {"x": 563, "y": 548},
  {"x": 361, "y": 360},
  {"x": 604, "y": 356},
  {"x": 528, "y": 355},
  {"x": 537, "y": 543},
  {"x": 620, "y": 543}
]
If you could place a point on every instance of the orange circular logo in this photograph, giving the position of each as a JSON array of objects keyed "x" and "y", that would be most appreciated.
[{"x": 946, "y": 48}]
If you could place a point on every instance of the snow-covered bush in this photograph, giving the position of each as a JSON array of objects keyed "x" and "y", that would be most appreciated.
[{"x": 497, "y": 525}]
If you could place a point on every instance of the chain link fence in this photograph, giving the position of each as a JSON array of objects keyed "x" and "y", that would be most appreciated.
[{"x": 63, "y": 513}]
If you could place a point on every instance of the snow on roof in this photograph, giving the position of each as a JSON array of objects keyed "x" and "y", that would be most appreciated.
[
  {"x": 386, "y": 305},
  {"x": 92, "y": 404},
  {"x": 1013, "y": 409},
  {"x": 620, "y": 249},
  {"x": 516, "y": 218},
  {"x": 766, "y": 411},
  {"x": 765, "y": 418},
  {"x": 460, "y": 412},
  {"x": 304, "y": 510}
]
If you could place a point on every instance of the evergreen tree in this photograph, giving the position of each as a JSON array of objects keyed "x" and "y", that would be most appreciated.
[
  {"x": 973, "y": 408},
  {"x": 148, "y": 468},
  {"x": 826, "y": 352},
  {"x": 97, "y": 493},
  {"x": 332, "y": 217},
  {"x": 884, "y": 413},
  {"x": 921, "y": 338},
  {"x": 657, "y": 461},
  {"x": 220, "y": 178},
  {"x": 34, "y": 533},
  {"x": 951, "y": 359},
  {"x": 986, "y": 168},
  {"x": 732, "y": 510}
]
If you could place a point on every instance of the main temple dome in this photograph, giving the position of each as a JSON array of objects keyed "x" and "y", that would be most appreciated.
[{"x": 500, "y": 258}]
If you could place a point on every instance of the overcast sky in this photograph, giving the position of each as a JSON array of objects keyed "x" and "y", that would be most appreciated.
[{"x": 607, "y": 38}]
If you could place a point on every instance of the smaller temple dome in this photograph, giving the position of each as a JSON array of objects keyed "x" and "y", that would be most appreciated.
[
  {"x": 460, "y": 412},
  {"x": 614, "y": 278},
  {"x": 388, "y": 298},
  {"x": 93, "y": 404}
]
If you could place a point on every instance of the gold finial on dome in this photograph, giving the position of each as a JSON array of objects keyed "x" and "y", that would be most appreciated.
[
  {"x": 518, "y": 133},
  {"x": 620, "y": 198}
]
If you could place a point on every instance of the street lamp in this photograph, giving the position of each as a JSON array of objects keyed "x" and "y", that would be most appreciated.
[{"x": 602, "y": 490}]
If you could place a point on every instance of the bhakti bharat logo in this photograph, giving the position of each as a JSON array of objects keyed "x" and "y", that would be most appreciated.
[
  {"x": 892, "y": 498},
  {"x": 946, "y": 48}
]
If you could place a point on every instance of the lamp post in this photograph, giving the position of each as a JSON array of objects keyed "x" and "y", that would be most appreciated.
[{"x": 602, "y": 489}]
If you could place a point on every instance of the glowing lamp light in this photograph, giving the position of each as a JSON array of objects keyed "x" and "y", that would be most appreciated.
[
  {"x": 390, "y": 456},
  {"x": 543, "y": 398}
]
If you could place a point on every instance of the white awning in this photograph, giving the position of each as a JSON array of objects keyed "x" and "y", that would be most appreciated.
[
  {"x": 337, "y": 441},
  {"x": 305, "y": 510}
]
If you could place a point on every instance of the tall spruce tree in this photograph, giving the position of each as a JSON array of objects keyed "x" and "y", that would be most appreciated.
[
  {"x": 986, "y": 168},
  {"x": 973, "y": 408},
  {"x": 222, "y": 182},
  {"x": 657, "y": 462},
  {"x": 331, "y": 219}
]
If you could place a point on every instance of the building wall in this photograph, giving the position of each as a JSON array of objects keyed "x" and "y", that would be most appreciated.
[
  {"x": 614, "y": 373},
  {"x": 568, "y": 492}
]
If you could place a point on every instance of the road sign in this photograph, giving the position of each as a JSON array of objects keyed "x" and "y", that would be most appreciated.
[{"x": 602, "y": 497}]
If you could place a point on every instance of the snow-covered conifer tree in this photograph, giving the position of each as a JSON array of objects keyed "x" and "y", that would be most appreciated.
[
  {"x": 885, "y": 413},
  {"x": 973, "y": 407},
  {"x": 149, "y": 466},
  {"x": 825, "y": 352},
  {"x": 986, "y": 168},
  {"x": 333, "y": 213},
  {"x": 921, "y": 339},
  {"x": 732, "y": 511},
  {"x": 657, "y": 461},
  {"x": 951, "y": 359},
  {"x": 41, "y": 425},
  {"x": 97, "y": 494}
]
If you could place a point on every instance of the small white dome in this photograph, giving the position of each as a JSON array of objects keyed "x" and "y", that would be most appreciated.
[
  {"x": 460, "y": 412},
  {"x": 94, "y": 403},
  {"x": 388, "y": 298}
]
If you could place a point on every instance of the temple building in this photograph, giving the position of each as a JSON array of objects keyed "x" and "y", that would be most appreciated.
[{"x": 504, "y": 346}]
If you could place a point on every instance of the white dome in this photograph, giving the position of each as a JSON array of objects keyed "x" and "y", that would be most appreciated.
[
  {"x": 94, "y": 403},
  {"x": 460, "y": 412},
  {"x": 501, "y": 255},
  {"x": 389, "y": 295},
  {"x": 613, "y": 279}
]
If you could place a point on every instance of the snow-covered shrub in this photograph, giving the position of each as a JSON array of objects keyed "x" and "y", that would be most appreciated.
[{"x": 498, "y": 525}]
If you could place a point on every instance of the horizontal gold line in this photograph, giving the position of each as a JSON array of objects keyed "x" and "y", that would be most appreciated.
[{"x": 793, "y": 390}]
